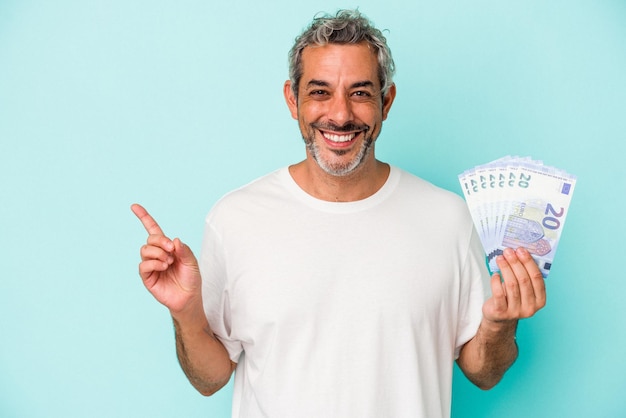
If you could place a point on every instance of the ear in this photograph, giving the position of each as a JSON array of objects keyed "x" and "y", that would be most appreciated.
[
  {"x": 388, "y": 100},
  {"x": 291, "y": 100}
]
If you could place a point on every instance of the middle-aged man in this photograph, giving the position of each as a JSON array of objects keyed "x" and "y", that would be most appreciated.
[{"x": 340, "y": 286}]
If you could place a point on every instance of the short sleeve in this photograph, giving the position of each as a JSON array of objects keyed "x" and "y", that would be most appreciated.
[
  {"x": 215, "y": 293},
  {"x": 475, "y": 290}
]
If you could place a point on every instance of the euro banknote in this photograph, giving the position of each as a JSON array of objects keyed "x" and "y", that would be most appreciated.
[{"x": 518, "y": 202}]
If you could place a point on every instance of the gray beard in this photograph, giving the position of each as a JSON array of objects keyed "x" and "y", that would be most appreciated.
[{"x": 339, "y": 169}]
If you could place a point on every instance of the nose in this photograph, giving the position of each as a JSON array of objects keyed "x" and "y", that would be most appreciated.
[{"x": 339, "y": 110}]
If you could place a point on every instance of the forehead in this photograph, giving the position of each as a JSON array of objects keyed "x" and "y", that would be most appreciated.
[{"x": 334, "y": 63}]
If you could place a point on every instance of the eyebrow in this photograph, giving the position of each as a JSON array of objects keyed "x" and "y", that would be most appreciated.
[
  {"x": 322, "y": 83},
  {"x": 366, "y": 83},
  {"x": 317, "y": 83}
]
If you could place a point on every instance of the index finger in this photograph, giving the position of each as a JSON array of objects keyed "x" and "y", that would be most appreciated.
[{"x": 147, "y": 221}]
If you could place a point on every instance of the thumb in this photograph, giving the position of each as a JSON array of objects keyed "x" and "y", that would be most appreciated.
[{"x": 184, "y": 253}]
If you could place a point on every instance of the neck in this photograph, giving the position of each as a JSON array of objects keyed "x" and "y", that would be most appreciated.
[{"x": 361, "y": 184}]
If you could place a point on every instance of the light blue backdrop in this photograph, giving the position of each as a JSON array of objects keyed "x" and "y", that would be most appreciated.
[{"x": 171, "y": 104}]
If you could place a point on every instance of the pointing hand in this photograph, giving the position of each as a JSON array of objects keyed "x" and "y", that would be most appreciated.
[{"x": 168, "y": 268}]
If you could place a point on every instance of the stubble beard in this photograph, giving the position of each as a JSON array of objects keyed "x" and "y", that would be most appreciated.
[{"x": 339, "y": 168}]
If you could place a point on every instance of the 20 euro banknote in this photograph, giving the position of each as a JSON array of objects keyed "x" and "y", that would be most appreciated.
[{"x": 518, "y": 202}]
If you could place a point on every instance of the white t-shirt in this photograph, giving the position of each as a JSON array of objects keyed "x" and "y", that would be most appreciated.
[{"x": 354, "y": 309}]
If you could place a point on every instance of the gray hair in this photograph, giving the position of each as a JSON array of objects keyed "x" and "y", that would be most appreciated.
[{"x": 346, "y": 27}]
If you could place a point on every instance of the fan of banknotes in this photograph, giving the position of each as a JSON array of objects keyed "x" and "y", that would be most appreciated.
[{"x": 518, "y": 202}]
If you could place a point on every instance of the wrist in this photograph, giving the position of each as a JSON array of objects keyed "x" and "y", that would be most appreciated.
[
  {"x": 191, "y": 314},
  {"x": 498, "y": 329}
]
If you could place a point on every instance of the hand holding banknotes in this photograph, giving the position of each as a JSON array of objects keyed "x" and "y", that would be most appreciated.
[
  {"x": 519, "y": 207},
  {"x": 518, "y": 291}
]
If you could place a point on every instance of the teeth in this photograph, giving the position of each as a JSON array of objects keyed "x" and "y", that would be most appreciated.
[{"x": 339, "y": 138}]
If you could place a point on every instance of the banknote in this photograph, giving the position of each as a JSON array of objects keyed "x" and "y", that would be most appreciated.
[{"x": 518, "y": 202}]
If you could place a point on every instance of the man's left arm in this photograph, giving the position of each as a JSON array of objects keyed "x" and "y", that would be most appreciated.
[{"x": 517, "y": 292}]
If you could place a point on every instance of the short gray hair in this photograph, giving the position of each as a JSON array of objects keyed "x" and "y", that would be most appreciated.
[{"x": 346, "y": 27}]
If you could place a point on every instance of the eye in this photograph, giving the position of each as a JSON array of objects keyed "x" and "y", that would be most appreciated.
[
  {"x": 362, "y": 95},
  {"x": 318, "y": 93}
]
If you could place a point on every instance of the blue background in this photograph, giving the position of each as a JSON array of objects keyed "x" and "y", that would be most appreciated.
[{"x": 172, "y": 104}]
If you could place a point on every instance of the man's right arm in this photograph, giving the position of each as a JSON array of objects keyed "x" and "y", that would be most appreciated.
[
  {"x": 170, "y": 272},
  {"x": 201, "y": 355}
]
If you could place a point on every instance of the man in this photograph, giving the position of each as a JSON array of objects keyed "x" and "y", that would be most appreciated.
[{"x": 340, "y": 286}]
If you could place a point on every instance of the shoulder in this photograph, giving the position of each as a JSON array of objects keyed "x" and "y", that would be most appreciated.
[
  {"x": 263, "y": 192},
  {"x": 420, "y": 198},
  {"x": 418, "y": 189}
]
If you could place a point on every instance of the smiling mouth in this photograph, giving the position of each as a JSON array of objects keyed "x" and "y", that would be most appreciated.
[
  {"x": 341, "y": 137},
  {"x": 337, "y": 138}
]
